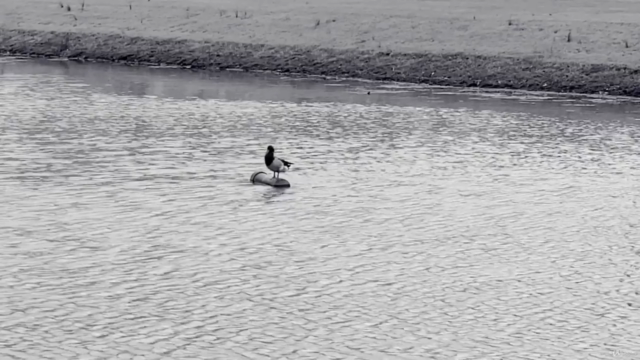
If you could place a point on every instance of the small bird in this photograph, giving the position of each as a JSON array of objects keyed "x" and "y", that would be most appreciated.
[{"x": 275, "y": 164}]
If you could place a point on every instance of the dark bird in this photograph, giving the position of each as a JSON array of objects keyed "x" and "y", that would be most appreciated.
[{"x": 275, "y": 164}]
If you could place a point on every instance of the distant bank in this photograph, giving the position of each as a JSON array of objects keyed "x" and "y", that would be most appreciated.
[{"x": 464, "y": 43}]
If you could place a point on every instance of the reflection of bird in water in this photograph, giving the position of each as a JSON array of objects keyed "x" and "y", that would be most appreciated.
[
  {"x": 273, "y": 194},
  {"x": 275, "y": 164}
]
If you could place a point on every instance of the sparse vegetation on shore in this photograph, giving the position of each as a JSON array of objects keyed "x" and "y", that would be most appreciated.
[{"x": 515, "y": 45}]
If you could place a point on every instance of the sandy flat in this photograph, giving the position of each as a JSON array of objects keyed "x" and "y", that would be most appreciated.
[{"x": 601, "y": 31}]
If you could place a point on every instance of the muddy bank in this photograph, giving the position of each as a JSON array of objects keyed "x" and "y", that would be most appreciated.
[{"x": 434, "y": 69}]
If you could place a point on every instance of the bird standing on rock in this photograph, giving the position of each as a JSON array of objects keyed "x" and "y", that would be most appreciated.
[{"x": 275, "y": 164}]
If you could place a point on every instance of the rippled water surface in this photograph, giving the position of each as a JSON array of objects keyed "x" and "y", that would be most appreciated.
[{"x": 421, "y": 224}]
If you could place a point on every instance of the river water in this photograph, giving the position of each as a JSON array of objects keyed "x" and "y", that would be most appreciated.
[{"x": 421, "y": 223}]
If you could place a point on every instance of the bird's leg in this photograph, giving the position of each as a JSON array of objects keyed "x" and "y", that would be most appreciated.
[{"x": 274, "y": 174}]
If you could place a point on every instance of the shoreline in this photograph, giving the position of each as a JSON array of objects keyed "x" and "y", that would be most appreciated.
[{"x": 452, "y": 70}]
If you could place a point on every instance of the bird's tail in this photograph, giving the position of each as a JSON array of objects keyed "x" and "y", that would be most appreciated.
[{"x": 286, "y": 163}]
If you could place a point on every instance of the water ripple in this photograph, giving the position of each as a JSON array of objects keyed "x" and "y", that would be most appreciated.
[{"x": 130, "y": 229}]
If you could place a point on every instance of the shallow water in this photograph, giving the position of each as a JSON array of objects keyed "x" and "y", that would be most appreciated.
[{"x": 421, "y": 223}]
